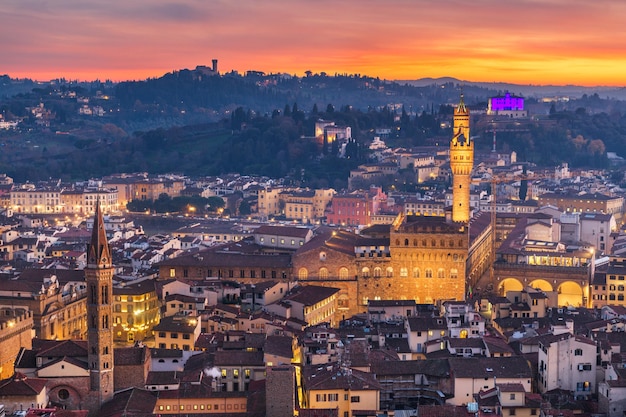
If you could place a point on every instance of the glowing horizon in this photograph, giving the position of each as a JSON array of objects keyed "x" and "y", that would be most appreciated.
[{"x": 538, "y": 42}]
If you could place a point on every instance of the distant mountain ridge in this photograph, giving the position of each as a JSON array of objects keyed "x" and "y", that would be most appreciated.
[{"x": 527, "y": 90}]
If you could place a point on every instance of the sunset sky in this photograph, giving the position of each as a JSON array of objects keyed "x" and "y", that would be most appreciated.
[{"x": 524, "y": 41}]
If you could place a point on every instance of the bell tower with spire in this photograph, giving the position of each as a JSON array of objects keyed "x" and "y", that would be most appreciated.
[
  {"x": 461, "y": 163},
  {"x": 99, "y": 279}
]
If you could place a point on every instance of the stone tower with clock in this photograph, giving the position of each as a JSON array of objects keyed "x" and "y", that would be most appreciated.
[
  {"x": 461, "y": 163},
  {"x": 99, "y": 280}
]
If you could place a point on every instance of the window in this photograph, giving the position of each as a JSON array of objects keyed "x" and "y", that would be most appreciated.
[
  {"x": 365, "y": 272},
  {"x": 454, "y": 273},
  {"x": 441, "y": 273},
  {"x": 429, "y": 273},
  {"x": 323, "y": 274},
  {"x": 172, "y": 273},
  {"x": 355, "y": 399},
  {"x": 578, "y": 352},
  {"x": 416, "y": 273},
  {"x": 303, "y": 273},
  {"x": 333, "y": 397},
  {"x": 389, "y": 272},
  {"x": 64, "y": 394},
  {"x": 512, "y": 397},
  {"x": 404, "y": 272},
  {"x": 377, "y": 272},
  {"x": 343, "y": 273}
]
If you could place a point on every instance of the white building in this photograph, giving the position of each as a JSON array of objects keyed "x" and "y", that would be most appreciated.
[{"x": 567, "y": 362}]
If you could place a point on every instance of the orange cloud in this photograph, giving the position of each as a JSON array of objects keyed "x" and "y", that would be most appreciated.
[{"x": 527, "y": 41}]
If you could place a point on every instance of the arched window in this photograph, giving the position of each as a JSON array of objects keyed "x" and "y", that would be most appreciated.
[
  {"x": 429, "y": 273},
  {"x": 377, "y": 272},
  {"x": 303, "y": 273},
  {"x": 454, "y": 273},
  {"x": 452, "y": 243},
  {"x": 416, "y": 272},
  {"x": 404, "y": 272},
  {"x": 365, "y": 272},
  {"x": 343, "y": 273},
  {"x": 406, "y": 242},
  {"x": 323, "y": 273},
  {"x": 441, "y": 273},
  {"x": 414, "y": 242},
  {"x": 389, "y": 272}
]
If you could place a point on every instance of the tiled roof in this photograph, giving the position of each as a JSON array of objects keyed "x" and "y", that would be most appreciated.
[
  {"x": 134, "y": 402},
  {"x": 289, "y": 231},
  {"x": 69, "y": 348},
  {"x": 162, "y": 378},
  {"x": 478, "y": 368},
  {"x": 130, "y": 356},
  {"x": 20, "y": 385},
  {"x": 336, "y": 377},
  {"x": 279, "y": 346},
  {"x": 311, "y": 294},
  {"x": 432, "y": 367},
  {"x": 238, "y": 358}
]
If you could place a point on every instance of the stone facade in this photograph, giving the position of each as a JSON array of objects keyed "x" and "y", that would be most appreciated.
[{"x": 15, "y": 332}]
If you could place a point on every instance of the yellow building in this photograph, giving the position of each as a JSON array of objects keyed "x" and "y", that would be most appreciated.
[
  {"x": 62, "y": 201},
  {"x": 177, "y": 332},
  {"x": 152, "y": 188},
  {"x": 306, "y": 206},
  {"x": 135, "y": 311},
  {"x": 341, "y": 388}
]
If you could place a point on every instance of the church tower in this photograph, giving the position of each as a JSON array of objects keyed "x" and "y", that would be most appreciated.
[
  {"x": 99, "y": 279},
  {"x": 461, "y": 163}
]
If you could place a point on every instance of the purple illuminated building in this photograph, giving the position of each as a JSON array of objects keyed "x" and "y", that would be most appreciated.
[{"x": 507, "y": 105}]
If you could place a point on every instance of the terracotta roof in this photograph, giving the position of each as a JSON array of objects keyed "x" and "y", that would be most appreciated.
[
  {"x": 20, "y": 385},
  {"x": 336, "y": 377},
  {"x": 162, "y": 378},
  {"x": 134, "y": 402},
  {"x": 61, "y": 348},
  {"x": 289, "y": 231},
  {"x": 506, "y": 367},
  {"x": 432, "y": 367},
  {"x": 128, "y": 356},
  {"x": 310, "y": 294},
  {"x": 224, "y": 258},
  {"x": 238, "y": 358},
  {"x": 279, "y": 346}
]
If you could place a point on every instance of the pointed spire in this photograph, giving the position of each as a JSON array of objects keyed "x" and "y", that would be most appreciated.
[
  {"x": 98, "y": 252},
  {"x": 461, "y": 107}
]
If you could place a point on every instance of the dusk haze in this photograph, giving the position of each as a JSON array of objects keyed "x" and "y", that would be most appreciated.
[{"x": 527, "y": 42}]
